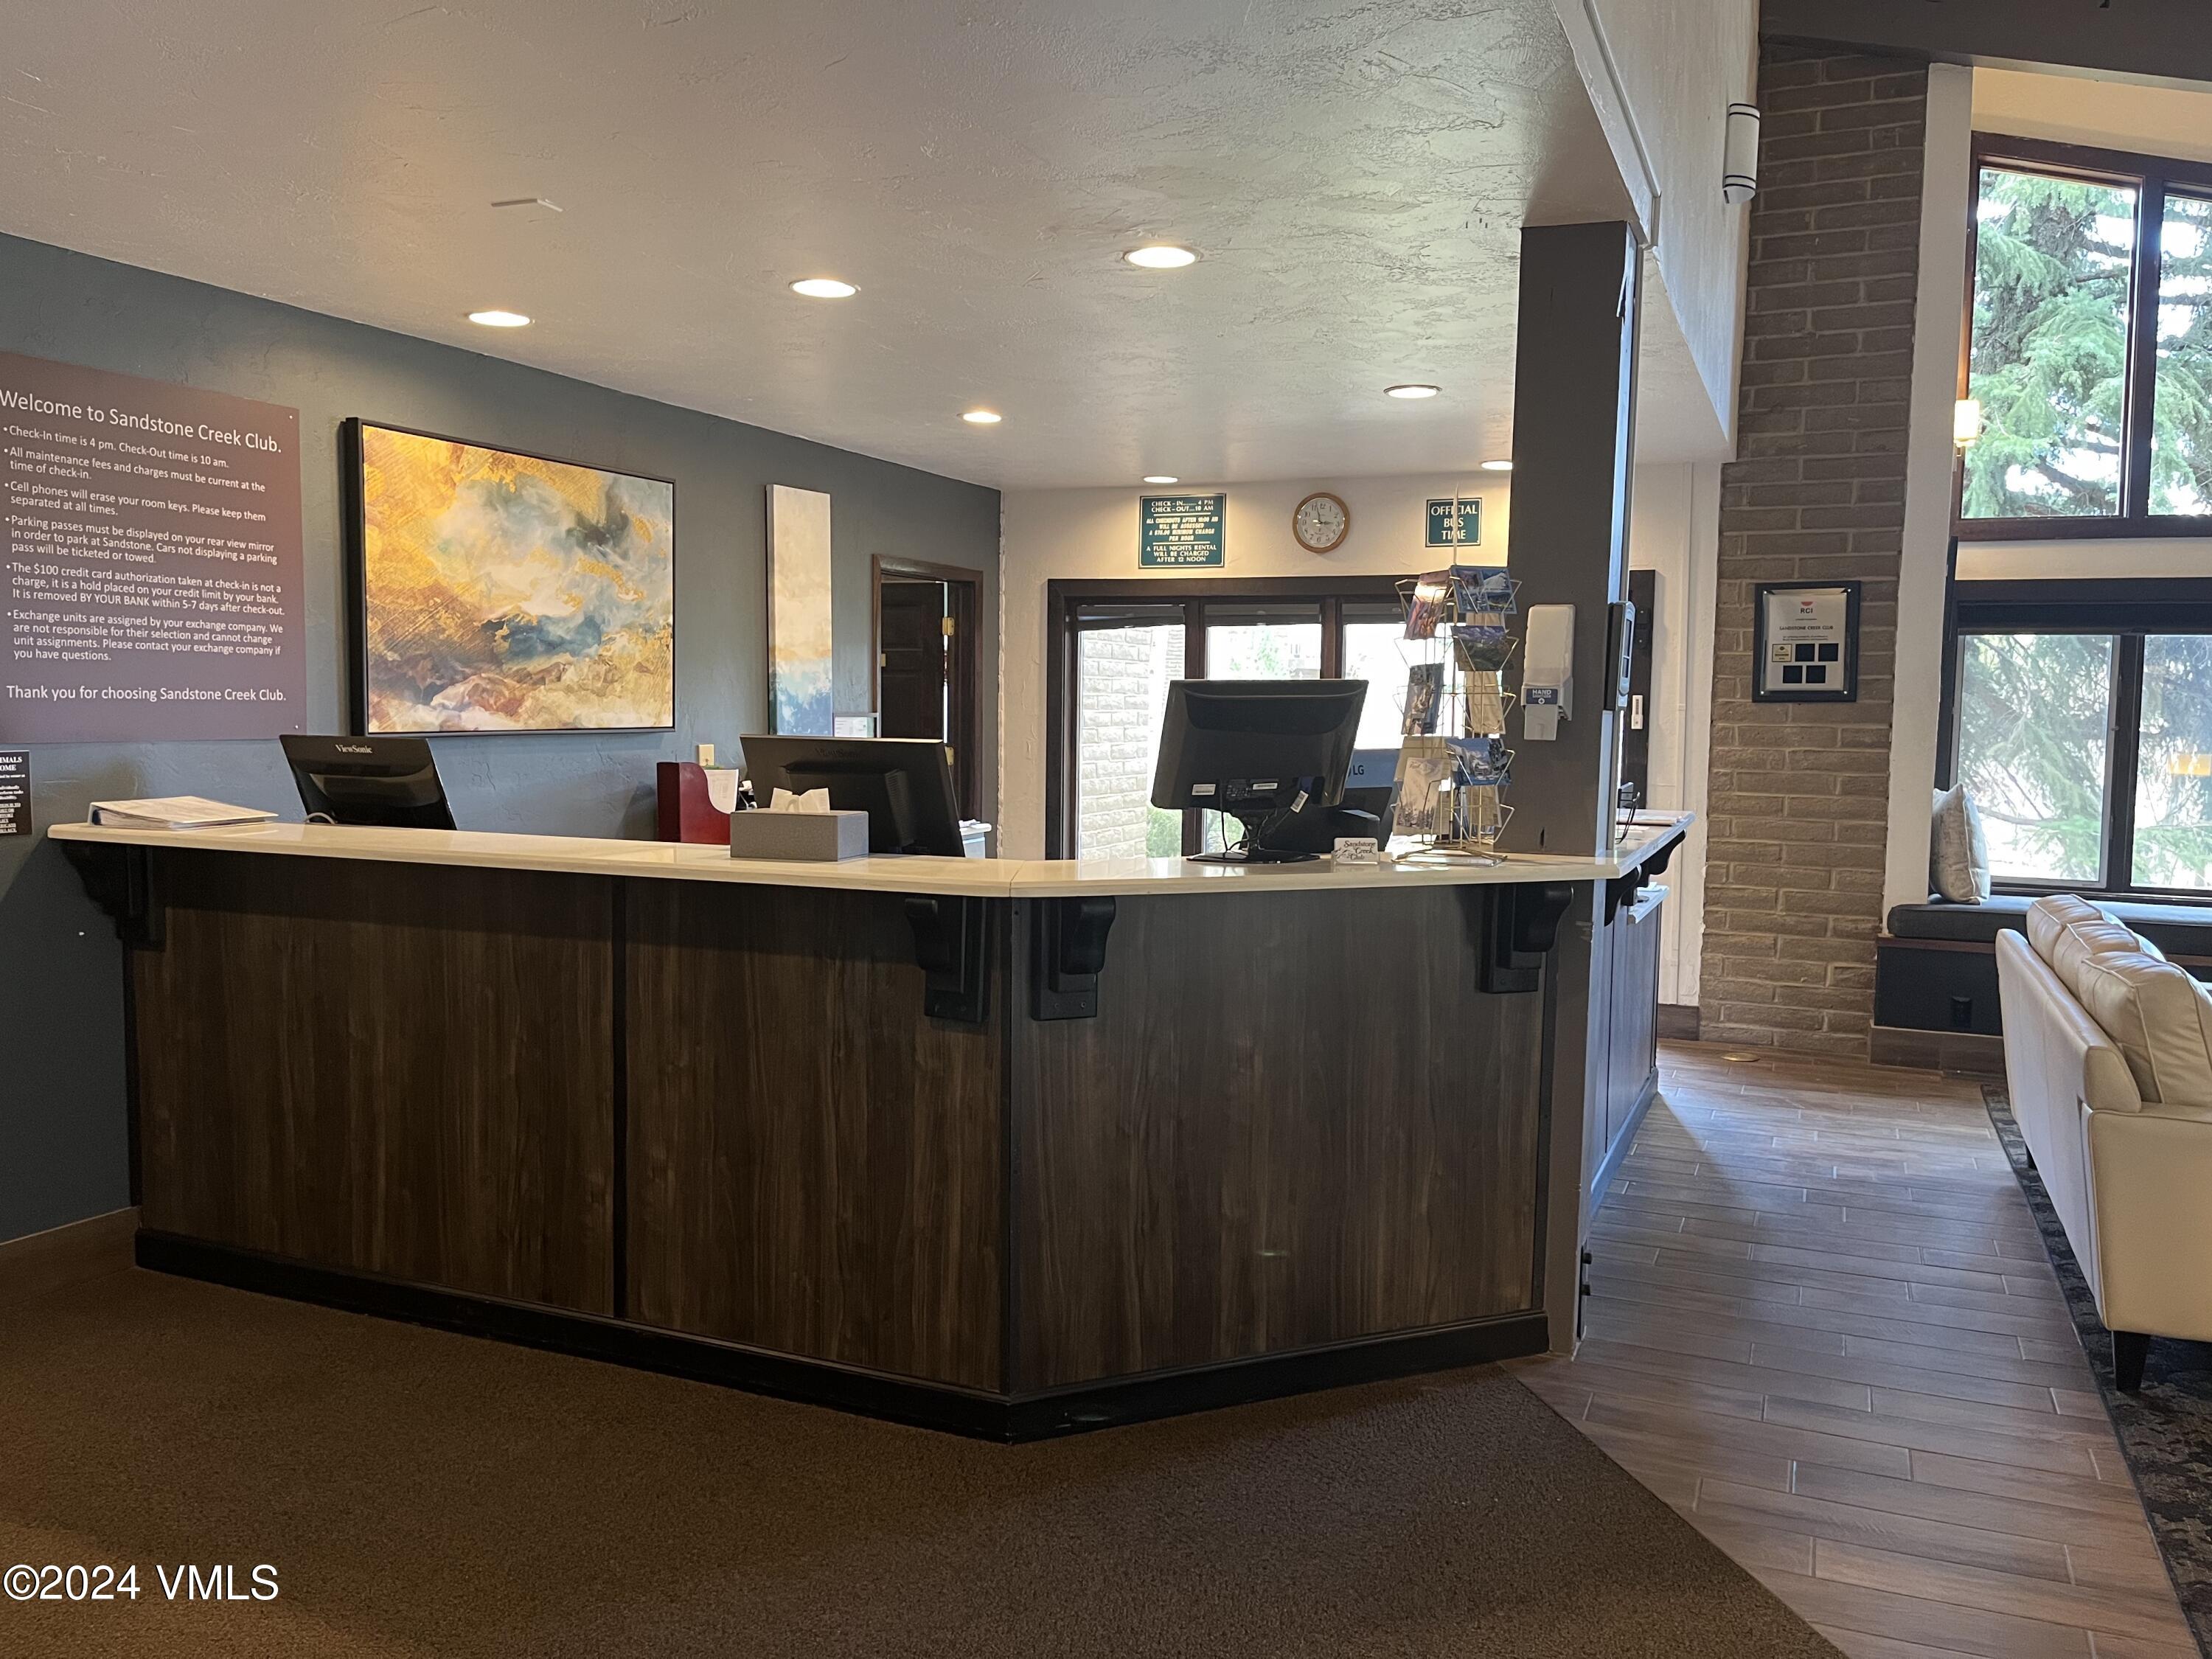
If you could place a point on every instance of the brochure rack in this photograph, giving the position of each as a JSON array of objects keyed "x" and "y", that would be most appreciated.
[{"x": 1454, "y": 766}]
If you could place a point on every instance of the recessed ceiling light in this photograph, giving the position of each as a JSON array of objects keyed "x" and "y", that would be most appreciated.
[
  {"x": 500, "y": 319},
  {"x": 1161, "y": 256},
  {"x": 1497, "y": 466},
  {"x": 823, "y": 288},
  {"x": 982, "y": 417},
  {"x": 1161, "y": 477},
  {"x": 1410, "y": 391}
]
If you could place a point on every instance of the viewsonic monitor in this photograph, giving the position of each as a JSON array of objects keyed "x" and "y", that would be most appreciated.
[
  {"x": 388, "y": 781},
  {"x": 904, "y": 783}
]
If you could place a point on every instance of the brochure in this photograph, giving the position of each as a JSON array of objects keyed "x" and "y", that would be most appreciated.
[{"x": 1424, "y": 693}]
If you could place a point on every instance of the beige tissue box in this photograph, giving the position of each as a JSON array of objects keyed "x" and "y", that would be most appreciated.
[{"x": 819, "y": 837}]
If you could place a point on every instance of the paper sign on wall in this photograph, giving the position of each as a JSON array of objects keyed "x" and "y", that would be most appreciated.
[
  {"x": 14, "y": 791},
  {"x": 150, "y": 549}
]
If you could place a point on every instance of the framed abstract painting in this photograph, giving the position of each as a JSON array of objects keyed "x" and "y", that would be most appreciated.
[
  {"x": 799, "y": 662},
  {"x": 502, "y": 591}
]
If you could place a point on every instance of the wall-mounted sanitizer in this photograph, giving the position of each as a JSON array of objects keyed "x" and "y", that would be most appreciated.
[{"x": 1547, "y": 672}]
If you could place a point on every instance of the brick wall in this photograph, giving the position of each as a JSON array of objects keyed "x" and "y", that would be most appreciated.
[{"x": 1799, "y": 802}]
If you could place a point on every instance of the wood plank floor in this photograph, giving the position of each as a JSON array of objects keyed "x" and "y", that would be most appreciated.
[{"x": 1823, "y": 1329}]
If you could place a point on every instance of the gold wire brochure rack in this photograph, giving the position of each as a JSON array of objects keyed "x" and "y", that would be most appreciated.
[{"x": 1453, "y": 767}]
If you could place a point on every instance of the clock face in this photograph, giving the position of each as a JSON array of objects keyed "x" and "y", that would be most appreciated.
[{"x": 1321, "y": 523}]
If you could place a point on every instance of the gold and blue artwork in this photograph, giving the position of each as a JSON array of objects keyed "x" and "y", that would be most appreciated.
[{"x": 509, "y": 593}]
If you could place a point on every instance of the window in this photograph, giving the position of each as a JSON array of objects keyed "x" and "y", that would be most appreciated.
[
  {"x": 1117, "y": 644},
  {"x": 2034, "y": 730},
  {"x": 2089, "y": 344},
  {"x": 2082, "y": 724}
]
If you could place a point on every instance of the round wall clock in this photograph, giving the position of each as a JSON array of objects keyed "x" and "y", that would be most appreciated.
[{"x": 1322, "y": 522}]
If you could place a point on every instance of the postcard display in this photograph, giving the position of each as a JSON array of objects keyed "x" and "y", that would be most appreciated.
[{"x": 1455, "y": 765}]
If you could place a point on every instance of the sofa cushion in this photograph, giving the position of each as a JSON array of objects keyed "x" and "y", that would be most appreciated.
[
  {"x": 2160, "y": 1018},
  {"x": 2047, "y": 918},
  {"x": 2084, "y": 942},
  {"x": 2181, "y": 930}
]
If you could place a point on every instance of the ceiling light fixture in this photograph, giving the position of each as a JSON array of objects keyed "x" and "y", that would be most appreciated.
[
  {"x": 498, "y": 319},
  {"x": 982, "y": 417},
  {"x": 1161, "y": 477},
  {"x": 1161, "y": 256},
  {"x": 1497, "y": 466},
  {"x": 823, "y": 288},
  {"x": 1410, "y": 391}
]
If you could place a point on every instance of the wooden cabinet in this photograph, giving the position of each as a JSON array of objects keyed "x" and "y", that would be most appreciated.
[{"x": 1626, "y": 1067}]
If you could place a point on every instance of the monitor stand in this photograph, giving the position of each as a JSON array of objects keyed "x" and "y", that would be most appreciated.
[
  {"x": 1245, "y": 853},
  {"x": 1250, "y": 849}
]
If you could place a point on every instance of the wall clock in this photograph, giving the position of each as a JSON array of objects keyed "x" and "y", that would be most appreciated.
[{"x": 1322, "y": 522}]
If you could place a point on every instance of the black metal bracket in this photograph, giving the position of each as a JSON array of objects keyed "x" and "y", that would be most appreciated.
[
  {"x": 119, "y": 879},
  {"x": 951, "y": 947},
  {"x": 1621, "y": 891},
  {"x": 1518, "y": 925},
  {"x": 1067, "y": 952}
]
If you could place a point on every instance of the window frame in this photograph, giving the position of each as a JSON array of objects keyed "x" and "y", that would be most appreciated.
[
  {"x": 1064, "y": 599},
  {"x": 2154, "y": 178},
  {"x": 2130, "y": 611}
]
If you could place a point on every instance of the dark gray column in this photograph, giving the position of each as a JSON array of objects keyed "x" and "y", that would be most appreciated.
[{"x": 1574, "y": 411}]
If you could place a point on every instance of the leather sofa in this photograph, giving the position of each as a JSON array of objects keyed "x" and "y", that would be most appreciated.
[{"x": 2108, "y": 1057}]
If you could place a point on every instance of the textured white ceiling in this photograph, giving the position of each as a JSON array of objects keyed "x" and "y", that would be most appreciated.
[{"x": 1353, "y": 170}]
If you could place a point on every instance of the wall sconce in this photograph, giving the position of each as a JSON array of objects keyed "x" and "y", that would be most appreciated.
[
  {"x": 1739, "y": 154},
  {"x": 1966, "y": 421}
]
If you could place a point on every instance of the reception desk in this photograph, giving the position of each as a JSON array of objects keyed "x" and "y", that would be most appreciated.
[{"x": 1010, "y": 1148}]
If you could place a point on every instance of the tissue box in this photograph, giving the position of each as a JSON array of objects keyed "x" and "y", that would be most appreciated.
[{"x": 822, "y": 837}]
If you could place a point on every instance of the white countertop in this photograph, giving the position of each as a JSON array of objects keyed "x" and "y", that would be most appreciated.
[{"x": 973, "y": 877}]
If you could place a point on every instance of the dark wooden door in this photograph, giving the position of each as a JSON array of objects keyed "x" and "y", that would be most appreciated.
[{"x": 912, "y": 671}]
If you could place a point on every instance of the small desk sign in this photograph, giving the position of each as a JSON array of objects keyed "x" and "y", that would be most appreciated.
[
  {"x": 1357, "y": 849},
  {"x": 14, "y": 791},
  {"x": 1454, "y": 522},
  {"x": 1182, "y": 532},
  {"x": 1805, "y": 643}
]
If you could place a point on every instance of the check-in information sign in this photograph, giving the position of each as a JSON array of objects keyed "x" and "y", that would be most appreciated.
[
  {"x": 150, "y": 582},
  {"x": 1181, "y": 531}
]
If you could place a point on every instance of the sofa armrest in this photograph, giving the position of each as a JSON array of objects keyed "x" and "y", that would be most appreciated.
[
  {"x": 2071, "y": 1057},
  {"x": 2151, "y": 1172}
]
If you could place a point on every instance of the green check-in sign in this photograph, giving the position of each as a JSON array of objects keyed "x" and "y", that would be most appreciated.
[
  {"x": 1176, "y": 532},
  {"x": 1454, "y": 522}
]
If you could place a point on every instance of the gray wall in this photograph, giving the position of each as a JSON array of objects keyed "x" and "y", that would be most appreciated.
[{"x": 61, "y": 1115}]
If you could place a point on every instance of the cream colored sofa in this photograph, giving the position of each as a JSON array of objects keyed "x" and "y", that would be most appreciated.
[{"x": 2108, "y": 1057}]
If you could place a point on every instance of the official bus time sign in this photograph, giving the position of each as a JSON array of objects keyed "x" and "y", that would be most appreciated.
[
  {"x": 1453, "y": 521},
  {"x": 1178, "y": 533}
]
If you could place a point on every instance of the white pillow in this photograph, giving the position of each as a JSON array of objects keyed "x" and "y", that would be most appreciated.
[{"x": 1959, "y": 856}]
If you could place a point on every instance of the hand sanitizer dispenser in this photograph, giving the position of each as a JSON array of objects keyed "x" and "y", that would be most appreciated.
[{"x": 1548, "y": 675}]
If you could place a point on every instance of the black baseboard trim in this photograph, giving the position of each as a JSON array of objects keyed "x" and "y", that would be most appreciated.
[
  {"x": 870, "y": 1393},
  {"x": 1679, "y": 1022},
  {"x": 1616, "y": 1154}
]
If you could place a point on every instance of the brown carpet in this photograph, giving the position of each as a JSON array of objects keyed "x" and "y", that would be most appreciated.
[{"x": 423, "y": 1493}]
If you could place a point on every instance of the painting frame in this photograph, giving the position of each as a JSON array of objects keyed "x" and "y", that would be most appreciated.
[{"x": 353, "y": 516}]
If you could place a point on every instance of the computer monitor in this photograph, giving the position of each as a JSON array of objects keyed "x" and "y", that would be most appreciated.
[
  {"x": 389, "y": 782},
  {"x": 904, "y": 783},
  {"x": 1258, "y": 750}
]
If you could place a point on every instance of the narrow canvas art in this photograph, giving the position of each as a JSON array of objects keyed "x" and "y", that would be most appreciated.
[
  {"x": 798, "y": 612},
  {"x": 509, "y": 593}
]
